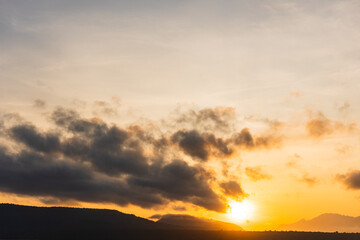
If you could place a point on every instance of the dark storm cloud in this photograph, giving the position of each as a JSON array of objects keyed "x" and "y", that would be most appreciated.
[
  {"x": 192, "y": 143},
  {"x": 28, "y": 134},
  {"x": 201, "y": 146},
  {"x": 351, "y": 179},
  {"x": 179, "y": 181},
  {"x": 233, "y": 189},
  {"x": 37, "y": 175},
  {"x": 42, "y": 175},
  {"x": 89, "y": 160},
  {"x": 108, "y": 148},
  {"x": 246, "y": 140}
]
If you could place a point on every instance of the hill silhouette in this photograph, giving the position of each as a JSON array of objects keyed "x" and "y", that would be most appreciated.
[
  {"x": 59, "y": 223},
  {"x": 327, "y": 222},
  {"x": 36, "y": 222},
  {"x": 194, "y": 223},
  {"x": 17, "y": 220}
]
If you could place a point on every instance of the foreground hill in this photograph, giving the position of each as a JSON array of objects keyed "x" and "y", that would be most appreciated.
[
  {"x": 58, "y": 223},
  {"x": 19, "y": 221},
  {"x": 194, "y": 223},
  {"x": 327, "y": 222},
  {"x": 16, "y": 220}
]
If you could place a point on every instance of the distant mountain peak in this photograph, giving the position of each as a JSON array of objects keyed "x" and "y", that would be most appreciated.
[{"x": 326, "y": 222}]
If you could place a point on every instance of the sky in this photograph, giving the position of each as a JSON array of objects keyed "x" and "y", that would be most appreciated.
[{"x": 182, "y": 107}]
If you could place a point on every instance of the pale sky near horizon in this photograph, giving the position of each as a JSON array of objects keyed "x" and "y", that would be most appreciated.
[{"x": 289, "y": 71}]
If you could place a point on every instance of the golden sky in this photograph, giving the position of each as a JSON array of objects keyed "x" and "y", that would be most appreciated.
[{"x": 185, "y": 107}]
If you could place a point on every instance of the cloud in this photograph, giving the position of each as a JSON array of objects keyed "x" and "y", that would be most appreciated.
[
  {"x": 233, "y": 189},
  {"x": 256, "y": 174},
  {"x": 319, "y": 126},
  {"x": 273, "y": 124},
  {"x": 155, "y": 216},
  {"x": 309, "y": 180},
  {"x": 179, "y": 181},
  {"x": 39, "y": 103},
  {"x": 92, "y": 161},
  {"x": 192, "y": 143},
  {"x": 87, "y": 159},
  {"x": 33, "y": 174},
  {"x": 42, "y": 174},
  {"x": 351, "y": 179},
  {"x": 201, "y": 146},
  {"x": 344, "y": 149},
  {"x": 293, "y": 161},
  {"x": 208, "y": 119},
  {"x": 344, "y": 107},
  {"x": 57, "y": 201},
  {"x": 28, "y": 135},
  {"x": 101, "y": 108},
  {"x": 179, "y": 208},
  {"x": 106, "y": 148},
  {"x": 245, "y": 139}
]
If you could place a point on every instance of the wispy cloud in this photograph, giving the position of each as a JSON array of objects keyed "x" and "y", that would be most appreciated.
[{"x": 256, "y": 174}]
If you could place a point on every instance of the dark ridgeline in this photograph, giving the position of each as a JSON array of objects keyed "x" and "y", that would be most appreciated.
[
  {"x": 40, "y": 222},
  {"x": 24, "y": 222},
  {"x": 194, "y": 223}
]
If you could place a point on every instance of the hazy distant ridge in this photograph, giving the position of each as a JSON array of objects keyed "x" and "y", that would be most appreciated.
[{"x": 327, "y": 222}]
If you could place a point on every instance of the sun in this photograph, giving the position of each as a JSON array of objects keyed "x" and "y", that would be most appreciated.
[{"x": 241, "y": 211}]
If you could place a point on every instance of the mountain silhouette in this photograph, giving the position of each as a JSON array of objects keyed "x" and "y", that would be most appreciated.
[
  {"x": 327, "y": 222},
  {"x": 38, "y": 222},
  {"x": 194, "y": 223},
  {"x": 43, "y": 222},
  {"x": 59, "y": 223}
]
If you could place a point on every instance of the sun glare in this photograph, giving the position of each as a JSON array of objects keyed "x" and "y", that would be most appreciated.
[{"x": 241, "y": 211}]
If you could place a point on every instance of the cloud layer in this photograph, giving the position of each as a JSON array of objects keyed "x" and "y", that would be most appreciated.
[{"x": 86, "y": 159}]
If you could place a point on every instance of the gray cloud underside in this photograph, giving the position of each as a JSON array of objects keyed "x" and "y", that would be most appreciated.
[
  {"x": 351, "y": 179},
  {"x": 92, "y": 161},
  {"x": 203, "y": 146},
  {"x": 89, "y": 160}
]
